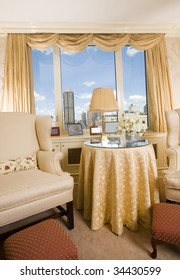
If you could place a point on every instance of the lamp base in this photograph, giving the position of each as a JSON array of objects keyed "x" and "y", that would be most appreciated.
[{"x": 104, "y": 139}]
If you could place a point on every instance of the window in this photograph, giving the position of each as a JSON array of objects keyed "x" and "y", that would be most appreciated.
[
  {"x": 63, "y": 83},
  {"x": 134, "y": 82}
]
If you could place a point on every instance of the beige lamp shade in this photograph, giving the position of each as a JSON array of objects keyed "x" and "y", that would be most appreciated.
[{"x": 103, "y": 100}]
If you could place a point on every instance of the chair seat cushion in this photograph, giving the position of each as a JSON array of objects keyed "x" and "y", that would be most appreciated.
[
  {"x": 166, "y": 223},
  {"x": 43, "y": 241},
  {"x": 29, "y": 185}
]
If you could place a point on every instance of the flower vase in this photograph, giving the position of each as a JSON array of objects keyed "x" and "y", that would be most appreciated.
[{"x": 131, "y": 138}]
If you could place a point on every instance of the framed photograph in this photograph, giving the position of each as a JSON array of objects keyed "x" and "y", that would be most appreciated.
[
  {"x": 74, "y": 129},
  {"x": 55, "y": 131},
  {"x": 110, "y": 127},
  {"x": 95, "y": 130}
]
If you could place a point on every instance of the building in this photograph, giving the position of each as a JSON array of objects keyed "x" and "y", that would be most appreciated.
[
  {"x": 68, "y": 102},
  {"x": 83, "y": 119}
]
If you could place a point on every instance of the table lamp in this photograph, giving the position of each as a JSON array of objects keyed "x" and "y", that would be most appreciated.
[{"x": 103, "y": 100}]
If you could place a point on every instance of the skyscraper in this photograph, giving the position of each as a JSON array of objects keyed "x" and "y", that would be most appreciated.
[
  {"x": 83, "y": 119},
  {"x": 68, "y": 102}
]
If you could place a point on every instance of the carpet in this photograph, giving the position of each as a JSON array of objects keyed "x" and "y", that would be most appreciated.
[{"x": 103, "y": 244}]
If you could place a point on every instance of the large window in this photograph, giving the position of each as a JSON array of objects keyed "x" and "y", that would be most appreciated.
[{"x": 63, "y": 83}]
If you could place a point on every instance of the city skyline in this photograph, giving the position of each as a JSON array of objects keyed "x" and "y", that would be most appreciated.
[{"x": 88, "y": 118}]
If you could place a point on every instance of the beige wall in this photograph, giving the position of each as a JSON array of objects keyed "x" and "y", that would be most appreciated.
[{"x": 173, "y": 49}]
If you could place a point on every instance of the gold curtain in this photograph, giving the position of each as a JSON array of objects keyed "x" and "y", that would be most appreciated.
[
  {"x": 17, "y": 94},
  {"x": 158, "y": 83},
  {"x": 159, "y": 88},
  {"x": 145, "y": 41}
]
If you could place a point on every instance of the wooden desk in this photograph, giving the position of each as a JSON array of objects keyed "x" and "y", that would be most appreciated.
[{"x": 117, "y": 185}]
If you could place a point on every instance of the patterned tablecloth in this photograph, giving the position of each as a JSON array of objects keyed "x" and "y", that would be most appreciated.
[{"x": 117, "y": 186}]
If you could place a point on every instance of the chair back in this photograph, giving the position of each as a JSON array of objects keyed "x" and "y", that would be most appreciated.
[
  {"x": 173, "y": 127},
  {"x": 23, "y": 134}
]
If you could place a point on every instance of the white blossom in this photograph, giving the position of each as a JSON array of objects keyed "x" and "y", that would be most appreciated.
[{"x": 131, "y": 126}]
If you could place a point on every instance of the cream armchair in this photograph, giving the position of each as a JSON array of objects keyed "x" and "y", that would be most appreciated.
[
  {"x": 31, "y": 178},
  {"x": 172, "y": 178},
  {"x": 173, "y": 139}
]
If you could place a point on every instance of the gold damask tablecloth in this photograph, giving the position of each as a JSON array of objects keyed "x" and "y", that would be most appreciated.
[{"x": 117, "y": 186}]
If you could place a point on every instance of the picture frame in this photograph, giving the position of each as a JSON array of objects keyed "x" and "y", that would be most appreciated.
[
  {"x": 55, "y": 131},
  {"x": 95, "y": 130},
  {"x": 74, "y": 129},
  {"x": 110, "y": 127}
]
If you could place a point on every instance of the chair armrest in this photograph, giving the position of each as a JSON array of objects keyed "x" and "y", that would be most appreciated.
[
  {"x": 172, "y": 180},
  {"x": 173, "y": 154},
  {"x": 49, "y": 161}
]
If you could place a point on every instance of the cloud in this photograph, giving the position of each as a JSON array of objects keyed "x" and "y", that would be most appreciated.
[
  {"x": 84, "y": 95},
  {"x": 131, "y": 51},
  {"x": 89, "y": 83},
  {"x": 47, "y": 51},
  {"x": 39, "y": 97},
  {"x": 45, "y": 111},
  {"x": 137, "y": 98},
  {"x": 79, "y": 110},
  {"x": 67, "y": 53}
]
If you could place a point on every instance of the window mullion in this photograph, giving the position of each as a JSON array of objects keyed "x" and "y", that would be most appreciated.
[
  {"x": 119, "y": 81},
  {"x": 57, "y": 87}
]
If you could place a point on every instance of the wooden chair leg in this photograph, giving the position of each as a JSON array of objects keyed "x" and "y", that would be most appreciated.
[
  {"x": 68, "y": 212},
  {"x": 70, "y": 215},
  {"x": 154, "y": 246}
]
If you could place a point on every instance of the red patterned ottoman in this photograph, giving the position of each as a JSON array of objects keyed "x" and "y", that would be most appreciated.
[
  {"x": 165, "y": 225},
  {"x": 43, "y": 241}
]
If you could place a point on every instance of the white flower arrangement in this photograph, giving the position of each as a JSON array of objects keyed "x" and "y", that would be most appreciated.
[{"x": 131, "y": 126}]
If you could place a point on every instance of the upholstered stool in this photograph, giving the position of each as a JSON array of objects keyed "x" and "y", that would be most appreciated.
[
  {"x": 43, "y": 241},
  {"x": 165, "y": 225}
]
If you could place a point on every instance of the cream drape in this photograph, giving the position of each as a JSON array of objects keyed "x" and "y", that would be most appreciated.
[
  {"x": 158, "y": 84},
  {"x": 18, "y": 93}
]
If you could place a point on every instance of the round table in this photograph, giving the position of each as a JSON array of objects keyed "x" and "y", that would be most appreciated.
[{"x": 117, "y": 185}]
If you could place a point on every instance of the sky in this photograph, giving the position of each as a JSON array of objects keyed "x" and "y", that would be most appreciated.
[{"x": 82, "y": 72}]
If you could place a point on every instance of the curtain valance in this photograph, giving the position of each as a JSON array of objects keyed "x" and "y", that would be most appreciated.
[{"x": 107, "y": 42}]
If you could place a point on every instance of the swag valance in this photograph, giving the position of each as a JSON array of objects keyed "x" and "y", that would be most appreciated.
[
  {"x": 106, "y": 42},
  {"x": 18, "y": 94}
]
